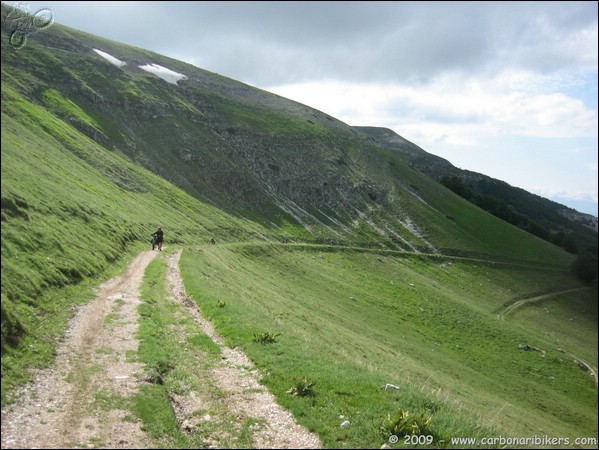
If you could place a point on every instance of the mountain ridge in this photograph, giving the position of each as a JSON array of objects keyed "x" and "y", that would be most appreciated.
[{"x": 553, "y": 216}]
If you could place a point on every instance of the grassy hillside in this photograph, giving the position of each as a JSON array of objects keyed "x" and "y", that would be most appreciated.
[
  {"x": 249, "y": 152},
  {"x": 70, "y": 210},
  {"x": 352, "y": 321}
]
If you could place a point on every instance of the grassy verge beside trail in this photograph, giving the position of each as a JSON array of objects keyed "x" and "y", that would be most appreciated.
[
  {"x": 348, "y": 362},
  {"x": 352, "y": 322},
  {"x": 178, "y": 358}
]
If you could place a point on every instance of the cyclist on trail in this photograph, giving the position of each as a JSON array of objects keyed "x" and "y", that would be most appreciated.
[{"x": 157, "y": 239}]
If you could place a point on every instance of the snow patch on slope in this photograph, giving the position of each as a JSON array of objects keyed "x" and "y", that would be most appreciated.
[
  {"x": 168, "y": 75},
  {"x": 111, "y": 59}
]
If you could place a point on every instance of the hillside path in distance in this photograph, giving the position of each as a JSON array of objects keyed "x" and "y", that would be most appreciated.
[
  {"x": 510, "y": 309},
  {"x": 68, "y": 404}
]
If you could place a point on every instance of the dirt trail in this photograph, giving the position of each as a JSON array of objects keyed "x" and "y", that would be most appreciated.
[
  {"x": 63, "y": 408},
  {"x": 72, "y": 404},
  {"x": 514, "y": 306},
  {"x": 240, "y": 382}
]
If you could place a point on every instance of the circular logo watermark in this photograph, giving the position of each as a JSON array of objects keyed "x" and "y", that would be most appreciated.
[{"x": 21, "y": 22}]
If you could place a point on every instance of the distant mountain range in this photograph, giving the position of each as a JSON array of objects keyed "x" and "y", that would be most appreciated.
[{"x": 545, "y": 218}]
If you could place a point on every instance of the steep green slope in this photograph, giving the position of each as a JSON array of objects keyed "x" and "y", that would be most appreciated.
[
  {"x": 70, "y": 209},
  {"x": 252, "y": 153}
]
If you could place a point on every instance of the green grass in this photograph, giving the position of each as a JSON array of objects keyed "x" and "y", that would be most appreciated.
[
  {"x": 64, "y": 107},
  {"x": 569, "y": 322},
  {"x": 152, "y": 404},
  {"x": 353, "y": 321},
  {"x": 178, "y": 359}
]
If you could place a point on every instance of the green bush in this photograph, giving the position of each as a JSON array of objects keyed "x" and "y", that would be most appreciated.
[
  {"x": 404, "y": 424},
  {"x": 265, "y": 338},
  {"x": 302, "y": 387}
]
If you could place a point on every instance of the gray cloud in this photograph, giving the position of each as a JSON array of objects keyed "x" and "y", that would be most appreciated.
[{"x": 268, "y": 43}]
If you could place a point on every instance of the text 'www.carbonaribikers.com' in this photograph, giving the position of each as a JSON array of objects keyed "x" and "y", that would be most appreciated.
[{"x": 525, "y": 441}]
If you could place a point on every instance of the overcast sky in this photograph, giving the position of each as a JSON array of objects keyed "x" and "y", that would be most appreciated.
[{"x": 508, "y": 89}]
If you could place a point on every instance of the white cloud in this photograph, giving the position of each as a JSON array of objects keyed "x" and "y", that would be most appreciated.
[
  {"x": 515, "y": 126},
  {"x": 462, "y": 109}
]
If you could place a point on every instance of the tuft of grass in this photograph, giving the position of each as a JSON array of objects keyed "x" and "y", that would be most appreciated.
[
  {"x": 302, "y": 387},
  {"x": 405, "y": 424},
  {"x": 266, "y": 337}
]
